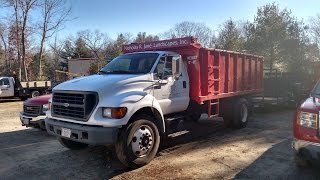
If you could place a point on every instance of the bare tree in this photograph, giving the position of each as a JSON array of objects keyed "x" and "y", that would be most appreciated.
[
  {"x": 199, "y": 30},
  {"x": 143, "y": 37},
  {"x": 25, "y": 7},
  {"x": 315, "y": 28},
  {"x": 21, "y": 14},
  {"x": 4, "y": 44},
  {"x": 56, "y": 49},
  {"x": 96, "y": 41},
  {"x": 15, "y": 5},
  {"x": 54, "y": 14}
]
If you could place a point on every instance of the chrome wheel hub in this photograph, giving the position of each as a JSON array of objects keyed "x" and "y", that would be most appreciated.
[{"x": 142, "y": 141}]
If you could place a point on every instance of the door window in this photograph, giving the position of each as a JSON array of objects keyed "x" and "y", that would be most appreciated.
[
  {"x": 4, "y": 82},
  {"x": 167, "y": 66}
]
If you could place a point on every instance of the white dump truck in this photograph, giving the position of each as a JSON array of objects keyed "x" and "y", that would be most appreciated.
[{"x": 136, "y": 99}]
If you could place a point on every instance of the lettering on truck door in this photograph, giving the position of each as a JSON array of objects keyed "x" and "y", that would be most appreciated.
[{"x": 172, "y": 89}]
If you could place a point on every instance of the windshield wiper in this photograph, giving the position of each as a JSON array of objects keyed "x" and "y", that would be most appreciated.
[
  {"x": 118, "y": 72},
  {"x": 315, "y": 94},
  {"x": 102, "y": 72}
]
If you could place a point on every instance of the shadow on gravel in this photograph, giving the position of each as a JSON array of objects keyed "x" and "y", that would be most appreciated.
[
  {"x": 9, "y": 100},
  {"x": 23, "y": 137},
  {"x": 271, "y": 165}
]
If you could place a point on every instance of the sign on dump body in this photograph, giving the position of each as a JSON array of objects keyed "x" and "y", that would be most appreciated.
[{"x": 156, "y": 45}]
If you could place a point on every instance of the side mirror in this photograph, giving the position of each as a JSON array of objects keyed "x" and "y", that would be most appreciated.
[
  {"x": 158, "y": 75},
  {"x": 176, "y": 76}
]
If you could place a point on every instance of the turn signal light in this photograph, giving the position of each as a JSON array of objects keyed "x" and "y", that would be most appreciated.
[{"x": 114, "y": 113}]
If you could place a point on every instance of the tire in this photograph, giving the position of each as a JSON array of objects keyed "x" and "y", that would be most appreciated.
[
  {"x": 226, "y": 112},
  {"x": 300, "y": 162},
  {"x": 73, "y": 145},
  {"x": 235, "y": 114},
  {"x": 35, "y": 94},
  {"x": 241, "y": 114},
  {"x": 138, "y": 142}
]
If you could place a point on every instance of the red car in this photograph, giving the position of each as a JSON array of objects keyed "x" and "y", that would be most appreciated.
[
  {"x": 34, "y": 111},
  {"x": 306, "y": 130}
]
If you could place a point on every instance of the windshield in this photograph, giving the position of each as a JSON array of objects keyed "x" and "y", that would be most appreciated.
[
  {"x": 316, "y": 90},
  {"x": 139, "y": 63}
]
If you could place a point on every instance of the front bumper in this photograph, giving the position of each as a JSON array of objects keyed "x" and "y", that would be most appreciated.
[
  {"x": 307, "y": 150},
  {"x": 30, "y": 121},
  {"x": 95, "y": 135}
]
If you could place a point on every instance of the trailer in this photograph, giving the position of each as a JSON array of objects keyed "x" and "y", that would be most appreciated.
[{"x": 137, "y": 99}]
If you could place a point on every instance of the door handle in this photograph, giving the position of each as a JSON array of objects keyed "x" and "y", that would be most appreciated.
[
  {"x": 184, "y": 83},
  {"x": 157, "y": 87}
]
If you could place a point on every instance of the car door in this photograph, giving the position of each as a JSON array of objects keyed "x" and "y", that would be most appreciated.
[
  {"x": 171, "y": 84},
  {"x": 6, "y": 88}
]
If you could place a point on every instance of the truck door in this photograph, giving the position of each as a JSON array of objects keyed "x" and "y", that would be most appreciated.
[
  {"x": 6, "y": 88},
  {"x": 171, "y": 84}
]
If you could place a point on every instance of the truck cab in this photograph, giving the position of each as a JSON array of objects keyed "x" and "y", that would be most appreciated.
[
  {"x": 6, "y": 87},
  {"x": 141, "y": 95},
  {"x": 306, "y": 143}
]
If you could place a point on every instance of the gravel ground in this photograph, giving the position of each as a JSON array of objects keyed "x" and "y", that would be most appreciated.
[{"x": 205, "y": 150}]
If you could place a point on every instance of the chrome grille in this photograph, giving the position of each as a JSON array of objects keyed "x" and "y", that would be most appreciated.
[
  {"x": 73, "y": 105},
  {"x": 32, "y": 110}
]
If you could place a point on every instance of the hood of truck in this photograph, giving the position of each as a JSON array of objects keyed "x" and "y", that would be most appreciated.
[
  {"x": 312, "y": 104},
  {"x": 105, "y": 82},
  {"x": 40, "y": 100}
]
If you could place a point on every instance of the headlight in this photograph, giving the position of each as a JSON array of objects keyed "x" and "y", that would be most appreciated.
[
  {"x": 45, "y": 107},
  {"x": 114, "y": 113},
  {"x": 309, "y": 120}
]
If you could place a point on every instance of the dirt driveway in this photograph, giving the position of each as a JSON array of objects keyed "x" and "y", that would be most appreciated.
[{"x": 206, "y": 150}]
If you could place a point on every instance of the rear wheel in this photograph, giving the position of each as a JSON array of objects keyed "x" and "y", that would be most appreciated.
[
  {"x": 138, "y": 142},
  {"x": 73, "y": 145},
  {"x": 241, "y": 114},
  {"x": 35, "y": 94},
  {"x": 235, "y": 113},
  {"x": 300, "y": 162}
]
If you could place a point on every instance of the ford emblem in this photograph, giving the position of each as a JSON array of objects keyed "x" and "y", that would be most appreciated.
[{"x": 66, "y": 104}]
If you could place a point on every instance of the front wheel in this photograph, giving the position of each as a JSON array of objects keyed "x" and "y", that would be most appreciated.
[
  {"x": 73, "y": 145},
  {"x": 138, "y": 142}
]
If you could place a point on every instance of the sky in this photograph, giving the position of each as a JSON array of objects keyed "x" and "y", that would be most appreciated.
[
  {"x": 158, "y": 16},
  {"x": 155, "y": 17}
]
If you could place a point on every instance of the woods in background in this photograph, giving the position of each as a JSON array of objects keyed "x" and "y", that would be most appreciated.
[{"x": 31, "y": 47}]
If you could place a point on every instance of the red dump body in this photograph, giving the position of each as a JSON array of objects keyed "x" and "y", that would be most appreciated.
[{"x": 213, "y": 73}]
